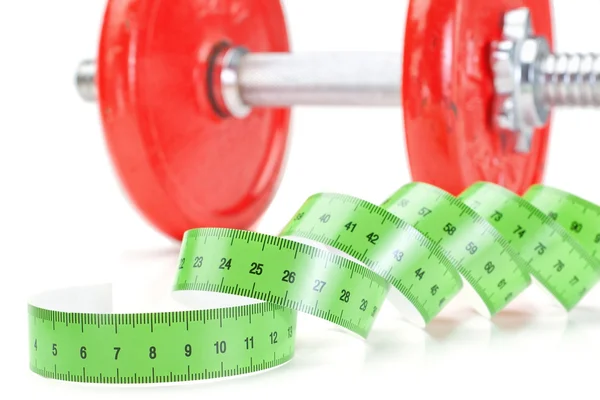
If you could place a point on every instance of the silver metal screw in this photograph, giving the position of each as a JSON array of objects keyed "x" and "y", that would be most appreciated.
[{"x": 529, "y": 79}]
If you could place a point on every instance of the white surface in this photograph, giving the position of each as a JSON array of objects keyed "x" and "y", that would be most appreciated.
[{"x": 64, "y": 220}]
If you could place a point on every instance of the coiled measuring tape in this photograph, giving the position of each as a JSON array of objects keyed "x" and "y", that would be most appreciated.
[{"x": 338, "y": 259}]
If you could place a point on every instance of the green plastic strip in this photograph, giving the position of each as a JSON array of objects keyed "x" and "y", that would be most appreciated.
[
  {"x": 578, "y": 216},
  {"x": 482, "y": 256},
  {"x": 553, "y": 256},
  {"x": 282, "y": 272},
  {"x": 282, "y": 275},
  {"x": 160, "y": 347},
  {"x": 410, "y": 262},
  {"x": 338, "y": 259}
]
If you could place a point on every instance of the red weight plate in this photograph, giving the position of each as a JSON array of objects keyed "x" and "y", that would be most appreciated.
[
  {"x": 448, "y": 95},
  {"x": 181, "y": 164}
]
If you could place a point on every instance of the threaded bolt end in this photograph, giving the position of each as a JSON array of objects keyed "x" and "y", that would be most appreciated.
[{"x": 571, "y": 80}]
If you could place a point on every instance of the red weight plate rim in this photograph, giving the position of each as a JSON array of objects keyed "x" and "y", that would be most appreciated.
[
  {"x": 180, "y": 163},
  {"x": 448, "y": 96}
]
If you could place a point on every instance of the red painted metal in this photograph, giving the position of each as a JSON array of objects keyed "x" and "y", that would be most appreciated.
[
  {"x": 448, "y": 95},
  {"x": 181, "y": 164}
]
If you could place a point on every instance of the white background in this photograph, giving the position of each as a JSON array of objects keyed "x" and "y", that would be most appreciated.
[{"x": 64, "y": 220}]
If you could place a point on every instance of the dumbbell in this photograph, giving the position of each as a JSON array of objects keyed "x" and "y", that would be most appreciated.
[{"x": 195, "y": 98}]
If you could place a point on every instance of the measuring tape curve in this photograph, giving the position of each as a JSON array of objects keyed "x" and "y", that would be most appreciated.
[{"x": 338, "y": 259}]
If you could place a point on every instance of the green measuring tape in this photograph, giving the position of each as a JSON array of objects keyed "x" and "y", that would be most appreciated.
[
  {"x": 478, "y": 251},
  {"x": 554, "y": 257},
  {"x": 338, "y": 259},
  {"x": 422, "y": 275}
]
